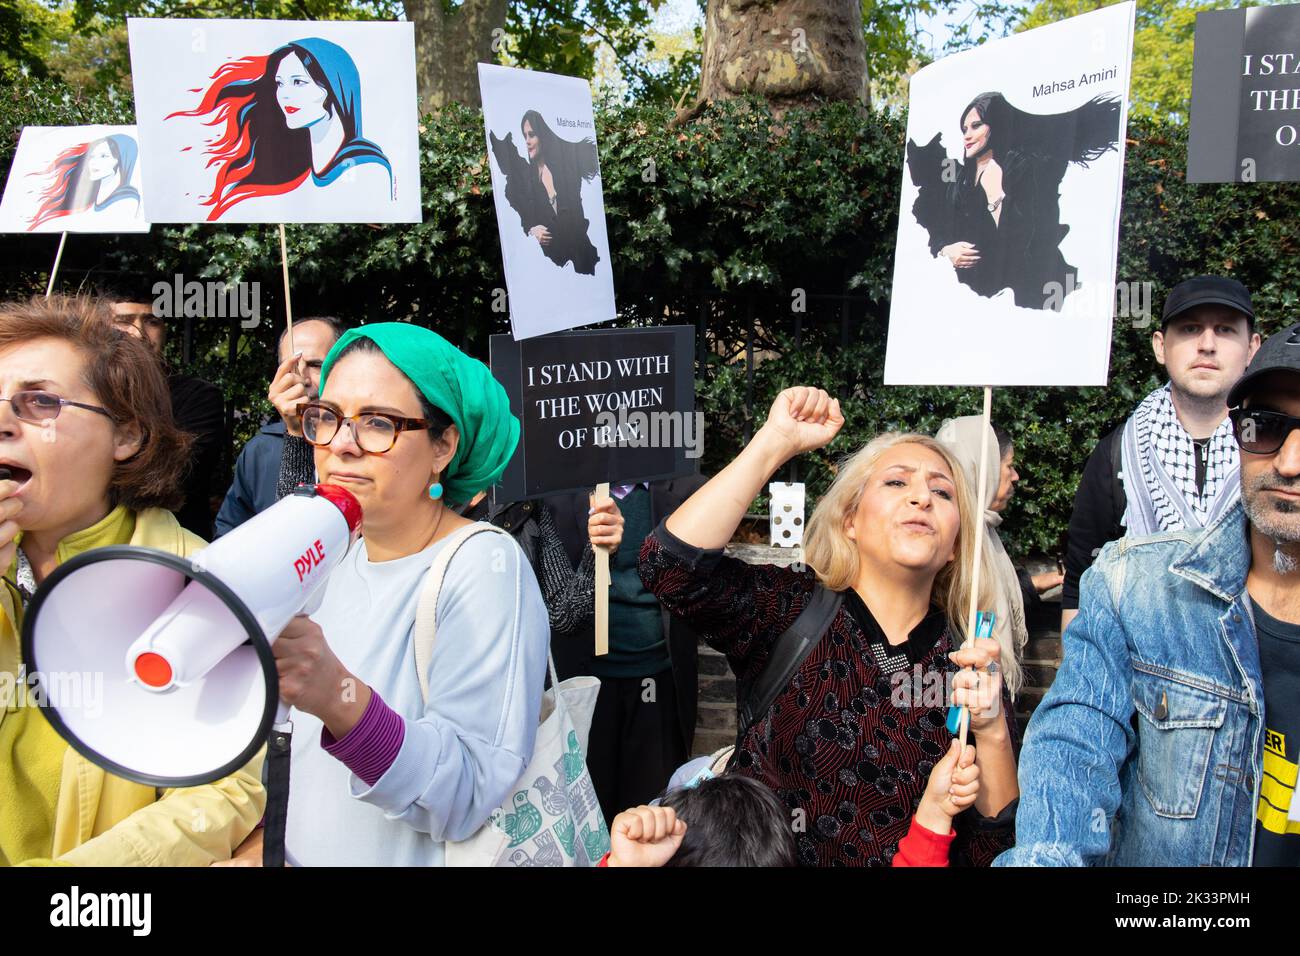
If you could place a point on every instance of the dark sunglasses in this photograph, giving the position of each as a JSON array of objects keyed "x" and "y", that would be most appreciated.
[{"x": 1260, "y": 432}]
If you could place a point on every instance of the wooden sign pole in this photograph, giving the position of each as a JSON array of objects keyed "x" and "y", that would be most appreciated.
[
  {"x": 288, "y": 307},
  {"x": 602, "y": 586},
  {"x": 982, "y": 496},
  {"x": 58, "y": 257}
]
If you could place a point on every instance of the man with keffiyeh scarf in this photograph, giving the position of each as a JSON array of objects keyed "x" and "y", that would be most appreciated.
[{"x": 1173, "y": 464}]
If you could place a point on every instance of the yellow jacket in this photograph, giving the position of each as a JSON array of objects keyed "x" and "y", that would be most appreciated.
[{"x": 103, "y": 820}]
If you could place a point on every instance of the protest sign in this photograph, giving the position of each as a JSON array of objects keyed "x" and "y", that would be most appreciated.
[
  {"x": 262, "y": 120},
  {"x": 1245, "y": 123},
  {"x": 1009, "y": 214},
  {"x": 597, "y": 406},
  {"x": 74, "y": 179},
  {"x": 541, "y": 138}
]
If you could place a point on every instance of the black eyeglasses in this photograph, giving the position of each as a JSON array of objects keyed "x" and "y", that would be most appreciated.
[
  {"x": 374, "y": 432},
  {"x": 36, "y": 406},
  {"x": 1261, "y": 432}
]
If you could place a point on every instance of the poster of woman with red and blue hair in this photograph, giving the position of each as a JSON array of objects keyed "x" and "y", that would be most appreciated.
[
  {"x": 74, "y": 179},
  {"x": 278, "y": 136}
]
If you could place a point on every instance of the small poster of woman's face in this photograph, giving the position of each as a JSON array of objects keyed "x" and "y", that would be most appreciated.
[
  {"x": 1008, "y": 225},
  {"x": 74, "y": 179},
  {"x": 541, "y": 138},
  {"x": 278, "y": 121}
]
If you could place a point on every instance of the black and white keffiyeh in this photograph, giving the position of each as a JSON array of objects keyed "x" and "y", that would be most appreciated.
[{"x": 1158, "y": 461}]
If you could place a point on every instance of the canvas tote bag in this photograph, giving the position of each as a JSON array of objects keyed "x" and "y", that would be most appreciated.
[{"x": 551, "y": 817}]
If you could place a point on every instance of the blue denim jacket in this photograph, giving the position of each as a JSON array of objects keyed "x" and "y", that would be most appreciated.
[{"x": 1148, "y": 748}]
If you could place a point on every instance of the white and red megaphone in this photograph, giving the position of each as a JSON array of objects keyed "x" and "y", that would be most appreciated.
[{"x": 159, "y": 668}]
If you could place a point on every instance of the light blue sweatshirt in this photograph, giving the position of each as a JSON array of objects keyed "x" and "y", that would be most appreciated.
[{"x": 463, "y": 751}]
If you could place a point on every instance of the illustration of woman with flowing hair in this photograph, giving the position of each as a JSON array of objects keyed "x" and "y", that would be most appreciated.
[
  {"x": 88, "y": 177},
  {"x": 546, "y": 190},
  {"x": 282, "y": 118},
  {"x": 997, "y": 216}
]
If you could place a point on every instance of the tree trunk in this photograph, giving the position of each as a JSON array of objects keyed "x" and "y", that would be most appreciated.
[
  {"x": 791, "y": 52},
  {"x": 449, "y": 47}
]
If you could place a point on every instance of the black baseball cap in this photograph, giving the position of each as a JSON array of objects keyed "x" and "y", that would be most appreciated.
[
  {"x": 1280, "y": 352},
  {"x": 1207, "y": 290}
]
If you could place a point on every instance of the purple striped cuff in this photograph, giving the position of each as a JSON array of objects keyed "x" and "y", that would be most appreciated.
[{"x": 369, "y": 748}]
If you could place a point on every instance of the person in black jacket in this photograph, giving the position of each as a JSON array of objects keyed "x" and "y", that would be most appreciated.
[
  {"x": 256, "y": 469},
  {"x": 1173, "y": 463},
  {"x": 645, "y": 715},
  {"x": 198, "y": 408}
]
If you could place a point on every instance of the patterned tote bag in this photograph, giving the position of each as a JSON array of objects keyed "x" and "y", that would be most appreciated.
[{"x": 552, "y": 817}]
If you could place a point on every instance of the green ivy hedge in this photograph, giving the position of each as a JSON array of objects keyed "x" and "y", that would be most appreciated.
[{"x": 728, "y": 223}]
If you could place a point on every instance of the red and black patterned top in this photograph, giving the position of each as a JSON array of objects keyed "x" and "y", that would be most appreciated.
[{"x": 846, "y": 744}]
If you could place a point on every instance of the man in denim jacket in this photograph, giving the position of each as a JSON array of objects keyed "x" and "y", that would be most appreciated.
[{"x": 1170, "y": 735}]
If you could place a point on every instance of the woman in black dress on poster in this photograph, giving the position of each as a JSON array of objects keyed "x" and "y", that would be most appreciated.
[
  {"x": 998, "y": 219},
  {"x": 546, "y": 190}
]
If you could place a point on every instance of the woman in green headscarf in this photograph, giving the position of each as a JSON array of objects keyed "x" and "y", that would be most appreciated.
[{"x": 411, "y": 426}]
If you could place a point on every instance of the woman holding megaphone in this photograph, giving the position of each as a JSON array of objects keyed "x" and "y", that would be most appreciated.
[
  {"x": 382, "y": 772},
  {"x": 92, "y": 458}
]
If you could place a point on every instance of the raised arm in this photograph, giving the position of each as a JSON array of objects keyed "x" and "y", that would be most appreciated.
[
  {"x": 800, "y": 420},
  {"x": 738, "y": 608}
]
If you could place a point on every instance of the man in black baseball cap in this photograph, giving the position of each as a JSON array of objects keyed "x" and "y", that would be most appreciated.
[
  {"x": 1207, "y": 290},
  {"x": 1173, "y": 463},
  {"x": 1281, "y": 353}
]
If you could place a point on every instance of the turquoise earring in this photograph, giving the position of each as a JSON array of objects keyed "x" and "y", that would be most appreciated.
[{"x": 435, "y": 490}]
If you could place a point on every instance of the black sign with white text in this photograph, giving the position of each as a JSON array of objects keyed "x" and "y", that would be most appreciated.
[
  {"x": 606, "y": 405},
  {"x": 1246, "y": 96}
]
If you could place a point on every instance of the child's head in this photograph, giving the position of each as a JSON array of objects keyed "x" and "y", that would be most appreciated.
[{"x": 731, "y": 821}]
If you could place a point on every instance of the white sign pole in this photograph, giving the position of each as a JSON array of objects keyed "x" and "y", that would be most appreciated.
[
  {"x": 982, "y": 494},
  {"x": 58, "y": 257}
]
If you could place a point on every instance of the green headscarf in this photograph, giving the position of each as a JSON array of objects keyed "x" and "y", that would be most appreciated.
[{"x": 459, "y": 385}]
